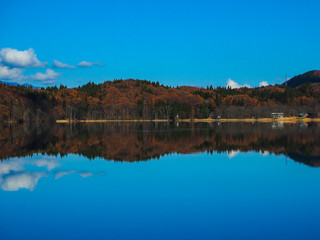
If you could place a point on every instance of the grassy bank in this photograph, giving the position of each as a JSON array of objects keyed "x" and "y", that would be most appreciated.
[
  {"x": 284, "y": 120},
  {"x": 108, "y": 120}
]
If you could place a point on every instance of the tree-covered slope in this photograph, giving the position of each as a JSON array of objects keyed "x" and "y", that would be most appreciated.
[{"x": 140, "y": 99}]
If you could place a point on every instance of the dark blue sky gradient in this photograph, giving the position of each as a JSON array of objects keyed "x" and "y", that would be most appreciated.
[{"x": 194, "y": 196}]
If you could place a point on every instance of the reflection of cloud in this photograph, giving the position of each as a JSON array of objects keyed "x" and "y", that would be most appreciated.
[
  {"x": 86, "y": 174},
  {"x": 14, "y": 173},
  {"x": 63, "y": 173},
  {"x": 13, "y": 165},
  {"x": 48, "y": 162},
  {"x": 233, "y": 153},
  {"x": 26, "y": 180},
  {"x": 17, "y": 164},
  {"x": 264, "y": 153}
]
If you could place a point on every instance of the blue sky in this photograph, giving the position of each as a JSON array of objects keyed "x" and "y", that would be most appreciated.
[{"x": 174, "y": 42}]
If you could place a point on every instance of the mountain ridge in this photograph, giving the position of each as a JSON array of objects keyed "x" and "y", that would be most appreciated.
[{"x": 312, "y": 76}]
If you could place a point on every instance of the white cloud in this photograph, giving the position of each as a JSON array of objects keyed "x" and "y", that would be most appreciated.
[
  {"x": 89, "y": 64},
  {"x": 13, "y": 63},
  {"x": 25, "y": 59},
  {"x": 232, "y": 84},
  {"x": 48, "y": 77},
  {"x": 26, "y": 180},
  {"x": 58, "y": 64},
  {"x": 263, "y": 84},
  {"x": 7, "y": 73},
  {"x": 15, "y": 75}
]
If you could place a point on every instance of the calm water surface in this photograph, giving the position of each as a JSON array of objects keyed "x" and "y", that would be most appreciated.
[{"x": 160, "y": 181}]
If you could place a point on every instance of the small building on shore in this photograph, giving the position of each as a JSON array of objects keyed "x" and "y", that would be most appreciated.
[{"x": 277, "y": 115}]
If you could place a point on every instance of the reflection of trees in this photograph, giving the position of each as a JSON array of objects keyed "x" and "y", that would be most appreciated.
[{"x": 142, "y": 141}]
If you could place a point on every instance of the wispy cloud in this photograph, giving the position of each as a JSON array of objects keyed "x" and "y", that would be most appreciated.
[
  {"x": 25, "y": 59},
  {"x": 58, "y": 64},
  {"x": 89, "y": 64}
]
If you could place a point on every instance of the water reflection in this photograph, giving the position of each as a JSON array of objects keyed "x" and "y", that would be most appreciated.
[
  {"x": 226, "y": 176},
  {"x": 143, "y": 141},
  {"x": 25, "y": 173}
]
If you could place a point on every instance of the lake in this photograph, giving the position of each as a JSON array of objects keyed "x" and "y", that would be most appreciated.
[{"x": 160, "y": 181}]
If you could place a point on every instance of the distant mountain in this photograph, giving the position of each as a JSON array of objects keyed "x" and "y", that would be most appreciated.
[
  {"x": 18, "y": 84},
  {"x": 308, "y": 77}
]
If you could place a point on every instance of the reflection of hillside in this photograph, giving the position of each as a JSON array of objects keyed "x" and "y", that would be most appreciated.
[
  {"x": 313, "y": 161},
  {"x": 137, "y": 141}
]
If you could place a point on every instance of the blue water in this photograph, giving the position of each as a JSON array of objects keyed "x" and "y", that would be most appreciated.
[{"x": 193, "y": 196}]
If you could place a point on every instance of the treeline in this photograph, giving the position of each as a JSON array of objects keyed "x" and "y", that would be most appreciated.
[{"x": 141, "y": 99}]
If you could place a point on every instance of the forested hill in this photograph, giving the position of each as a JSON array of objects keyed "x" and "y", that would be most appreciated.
[
  {"x": 140, "y": 99},
  {"x": 308, "y": 77}
]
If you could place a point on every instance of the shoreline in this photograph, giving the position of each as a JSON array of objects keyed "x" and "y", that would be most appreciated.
[{"x": 282, "y": 120}]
